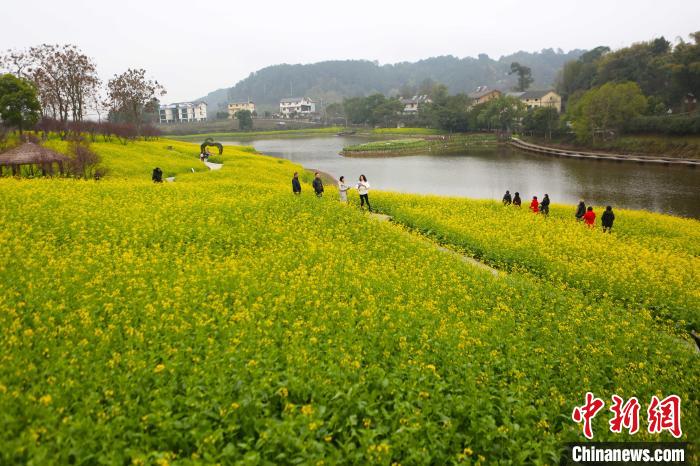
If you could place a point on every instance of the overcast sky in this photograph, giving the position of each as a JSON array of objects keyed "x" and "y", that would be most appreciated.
[{"x": 194, "y": 47}]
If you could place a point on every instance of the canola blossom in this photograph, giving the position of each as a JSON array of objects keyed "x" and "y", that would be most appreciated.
[
  {"x": 220, "y": 319},
  {"x": 650, "y": 261}
]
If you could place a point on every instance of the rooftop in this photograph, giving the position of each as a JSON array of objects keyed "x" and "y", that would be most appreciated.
[
  {"x": 182, "y": 104},
  {"x": 417, "y": 99},
  {"x": 534, "y": 94},
  {"x": 30, "y": 153},
  {"x": 295, "y": 99},
  {"x": 482, "y": 91}
]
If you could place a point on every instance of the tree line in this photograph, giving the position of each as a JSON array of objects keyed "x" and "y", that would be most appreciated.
[
  {"x": 665, "y": 73},
  {"x": 451, "y": 113},
  {"x": 649, "y": 87},
  {"x": 60, "y": 83},
  {"x": 332, "y": 81}
]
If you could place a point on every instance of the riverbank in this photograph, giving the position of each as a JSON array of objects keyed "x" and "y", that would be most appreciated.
[
  {"x": 487, "y": 171},
  {"x": 309, "y": 132},
  {"x": 648, "y": 145},
  {"x": 560, "y": 152},
  {"x": 428, "y": 144}
]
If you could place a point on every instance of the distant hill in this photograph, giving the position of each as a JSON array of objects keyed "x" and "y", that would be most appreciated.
[{"x": 331, "y": 81}]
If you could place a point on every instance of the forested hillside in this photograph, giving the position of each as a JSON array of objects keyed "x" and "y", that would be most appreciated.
[{"x": 331, "y": 81}]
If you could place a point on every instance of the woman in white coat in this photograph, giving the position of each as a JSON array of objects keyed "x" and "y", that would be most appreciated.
[{"x": 363, "y": 191}]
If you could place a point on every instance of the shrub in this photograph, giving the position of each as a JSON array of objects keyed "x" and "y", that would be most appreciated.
[{"x": 671, "y": 125}]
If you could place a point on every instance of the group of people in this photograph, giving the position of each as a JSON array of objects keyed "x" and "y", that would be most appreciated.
[
  {"x": 362, "y": 187},
  {"x": 583, "y": 214},
  {"x": 204, "y": 155},
  {"x": 586, "y": 215}
]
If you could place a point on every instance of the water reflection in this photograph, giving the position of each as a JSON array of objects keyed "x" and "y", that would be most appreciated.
[{"x": 488, "y": 172}]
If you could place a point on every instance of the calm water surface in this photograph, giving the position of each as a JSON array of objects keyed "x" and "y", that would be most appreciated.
[{"x": 488, "y": 172}]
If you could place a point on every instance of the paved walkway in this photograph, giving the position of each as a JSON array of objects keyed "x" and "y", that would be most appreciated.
[
  {"x": 214, "y": 166},
  {"x": 520, "y": 144}
]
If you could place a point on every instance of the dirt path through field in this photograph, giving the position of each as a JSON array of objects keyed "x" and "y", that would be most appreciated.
[{"x": 463, "y": 257}]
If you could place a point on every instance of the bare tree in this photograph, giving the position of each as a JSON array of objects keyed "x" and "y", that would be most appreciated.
[
  {"x": 130, "y": 95},
  {"x": 17, "y": 62},
  {"x": 65, "y": 78}
]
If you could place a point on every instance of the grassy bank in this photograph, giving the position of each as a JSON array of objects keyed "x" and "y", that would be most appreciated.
[
  {"x": 221, "y": 319},
  {"x": 244, "y": 135},
  {"x": 438, "y": 144},
  {"x": 661, "y": 145},
  {"x": 308, "y": 132},
  {"x": 406, "y": 131}
]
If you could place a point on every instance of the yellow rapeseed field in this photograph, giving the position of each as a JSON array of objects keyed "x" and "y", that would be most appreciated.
[
  {"x": 220, "y": 319},
  {"x": 650, "y": 261}
]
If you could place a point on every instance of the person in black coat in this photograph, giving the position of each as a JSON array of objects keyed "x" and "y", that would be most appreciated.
[
  {"x": 296, "y": 185},
  {"x": 607, "y": 219},
  {"x": 157, "y": 175},
  {"x": 580, "y": 210},
  {"x": 544, "y": 205},
  {"x": 507, "y": 199},
  {"x": 318, "y": 185},
  {"x": 516, "y": 200}
]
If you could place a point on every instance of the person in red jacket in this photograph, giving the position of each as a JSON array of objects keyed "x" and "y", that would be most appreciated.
[
  {"x": 534, "y": 205},
  {"x": 589, "y": 217}
]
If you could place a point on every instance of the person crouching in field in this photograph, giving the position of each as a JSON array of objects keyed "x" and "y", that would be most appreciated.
[
  {"x": 343, "y": 189},
  {"x": 363, "y": 191},
  {"x": 516, "y": 200},
  {"x": 544, "y": 205},
  {"x": 580, "y": 210},
  {"x": 534, "y": 205},
  {"x": 589, "y": 217},
  {"x": 296, "y": 185},
  {"x": 607, "y": 219},
  {"x": 507, "y": 199},
  {"x": 318, "y": 185}
]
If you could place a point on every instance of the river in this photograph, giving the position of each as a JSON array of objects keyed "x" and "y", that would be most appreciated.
[{"x": 487, "y": 172}]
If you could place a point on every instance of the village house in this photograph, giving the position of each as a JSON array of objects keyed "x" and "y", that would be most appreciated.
[
  {"x": 234, "y": 107},
  {"x": 535, "y": 99},
  {"x": 297, "y": 107},
  {"x": 183, "y": 112},
  {"x": 483, "y": 94},
  {"x": 413, "y": 104}
]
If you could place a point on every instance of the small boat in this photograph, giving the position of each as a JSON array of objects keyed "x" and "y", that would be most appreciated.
[{"x": 346, "y": 133}]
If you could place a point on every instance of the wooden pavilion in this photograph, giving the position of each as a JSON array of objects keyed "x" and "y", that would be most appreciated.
[{"x": 32, "y": 154}]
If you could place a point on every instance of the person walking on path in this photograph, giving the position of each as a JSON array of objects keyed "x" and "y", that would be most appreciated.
[
  {"x": 580, "y": 210},
  {"x": 544, "y": 205},
  {"x": 534, "y": 205},
  {"x": 318, "y": 185},
  {"x": 343, "y": 189},
  {"x": 589, "y": 217},
  {"x": 607, "y": 219},
  {"x": 157, "y": 175},
  {"x": 296, "y": 185},
  {"x": 516, "y": 200},
  {"x": 363, "y": 191},
  {"x": 507, "y": 199}
]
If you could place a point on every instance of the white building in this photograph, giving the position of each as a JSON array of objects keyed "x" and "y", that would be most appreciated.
[
  {"x": 183, "y": 112},
  {"x": 295, "y": 107}
]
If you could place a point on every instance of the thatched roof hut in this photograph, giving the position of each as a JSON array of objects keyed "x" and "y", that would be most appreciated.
[{"x": 30, "y": 153}]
